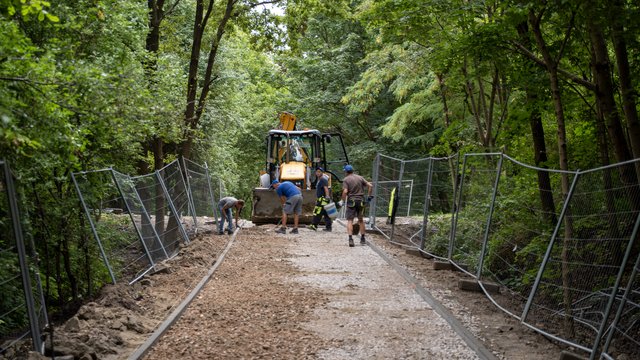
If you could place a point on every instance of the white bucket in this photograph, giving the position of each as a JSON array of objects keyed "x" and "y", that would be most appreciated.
[
  {"x": 331, "y": 210},
  {"x": 264, "y": 181}
]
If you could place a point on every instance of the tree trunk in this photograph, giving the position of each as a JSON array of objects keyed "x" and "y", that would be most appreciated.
[
  {"x": 537, "y": 134},
  {"x": 473, "y": 106},
  {"x": 156, "y": 13},
  {"x": 604, "y": 94},
  {"x": 554, "y": 84},
  {"x": 443, "y": 96},
  {"x": 192, "y": 80},
  {"x": 629, "y": 94},
  {"x": 191, "y": 116}
]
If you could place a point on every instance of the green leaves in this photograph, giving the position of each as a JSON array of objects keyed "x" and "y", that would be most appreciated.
[{"x": 29, "y": 9}]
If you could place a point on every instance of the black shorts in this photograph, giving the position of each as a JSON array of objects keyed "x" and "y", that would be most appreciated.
[{"x": 355, "y": 208}]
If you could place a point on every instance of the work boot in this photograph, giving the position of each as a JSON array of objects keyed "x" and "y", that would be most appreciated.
[
  {"x": 294, "y": 231},
  {"x": 362, "y": 240},
  {"x": 281, "y": 231},
  {"x": 351, "y": 244},
  {"x": 327, "y": 229},
  {"x": 313, "y": 227},
  {"x": 220, "y": 232}
]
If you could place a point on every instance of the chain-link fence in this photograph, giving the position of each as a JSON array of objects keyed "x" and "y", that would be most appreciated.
[
  {"x": 413, "y": 201},
  {"x": 586, "y": 264},
  {"x": 137, "y": 222},
  {"x": 527, "y": 203},
  {"x": 562, "y": 247},
  {"x": 140, "y": 221},
  {"x": 202, "y": 191},
  {"x": 23, "y": 315}
]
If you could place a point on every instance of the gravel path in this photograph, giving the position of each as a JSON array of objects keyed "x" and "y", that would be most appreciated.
[
  {"x": 308, "y": 296},
  {"x": 372, "y": 307},
  {"x": 262, "y": 295}
]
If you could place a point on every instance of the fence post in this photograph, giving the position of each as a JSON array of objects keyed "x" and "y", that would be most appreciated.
[
  {"x": 410, "y": 196},
  {"x": 614, "y": 291},
  {"x": 427, "y": 201},
  {"x": 93, "y": 228},
  {"x": 214, "y": 204},
  {"x": 22, "y": 257},
  {"x": 543, "y": 264},
  {"x": 457, "y": 199},
  {"x": 187, "y": 184},
  {"x": 172, "y": 207},
  {"x": 623, "y": 302},
  {"x": 140, "y": 236},
  {"x": 489, "y": 218},
  {"x": 395, "y": 211},
  {"x": 373, "y": 208}
]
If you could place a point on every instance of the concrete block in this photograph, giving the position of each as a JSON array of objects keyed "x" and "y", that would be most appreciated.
[
  {"x": 473, "y": 285},
  {"x": 413, "y": 252},
  {"x": 566, "y": 355},
  {"x": 442, "y": 265}
]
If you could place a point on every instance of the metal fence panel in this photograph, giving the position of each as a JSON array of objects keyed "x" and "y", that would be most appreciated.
[
  {"x": 473, "y": 206},
  {"x": 579, "y": 277},
  {"x": 22, "y": 315},
  {"x": 623, "y": 337},
  {"x": 174, "y": 181},
  {"x": 525, "y": 215},
  {"x": 160, "y": 212},
  {"x": 113, "y": 224},
  {"x": 438, "y": 213},
  {"x": 386, "y": 179},
  {"x": 200, "y": 189}
]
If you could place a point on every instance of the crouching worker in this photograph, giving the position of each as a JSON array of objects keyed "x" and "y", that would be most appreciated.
[
  {"x": 291, "y": 199},
  {"x": 225, "y": 205},
  {"x": 323, "y": 196}
]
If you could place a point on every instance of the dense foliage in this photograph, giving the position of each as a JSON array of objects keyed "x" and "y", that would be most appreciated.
[{"x": 133, "y": 85}]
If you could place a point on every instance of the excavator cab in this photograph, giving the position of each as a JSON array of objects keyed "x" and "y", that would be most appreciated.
[{"x": 293, "y": 155}]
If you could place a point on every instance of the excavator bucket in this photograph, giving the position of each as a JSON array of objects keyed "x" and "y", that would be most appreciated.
[{"x": 267, "y": 208}]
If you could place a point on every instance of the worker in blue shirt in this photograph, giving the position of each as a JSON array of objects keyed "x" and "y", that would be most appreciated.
[{"x": 291, "y": 199}]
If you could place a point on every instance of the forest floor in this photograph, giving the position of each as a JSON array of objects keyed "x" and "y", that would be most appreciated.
[{"x": 304, "y": 296}]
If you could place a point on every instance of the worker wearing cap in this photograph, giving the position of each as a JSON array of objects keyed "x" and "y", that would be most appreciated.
[
  {"x": 291, "y": 199},
  {"x": 323, "y": 197},
  {"x": 353, "y": 194}
]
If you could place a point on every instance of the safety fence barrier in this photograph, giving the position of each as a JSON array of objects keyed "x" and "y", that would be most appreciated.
[
  {"x": 137, "y": 222},
  {"x": 161, "y": 209},
  {"x": 561, "y": 246},
  {"x": 23, "y": 315}
]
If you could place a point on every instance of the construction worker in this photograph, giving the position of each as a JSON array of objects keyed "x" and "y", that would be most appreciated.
[
  {"x": 323, "y": 197},
  {"x": 353, "y": 194},
  {"x": 291, "y": 199},
  {"x": 225, "y": 205}
]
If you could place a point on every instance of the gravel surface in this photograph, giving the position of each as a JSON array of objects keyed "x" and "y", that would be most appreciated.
[{"x": 304, "y": 296}]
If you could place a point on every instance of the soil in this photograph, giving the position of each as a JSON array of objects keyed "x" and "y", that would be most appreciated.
[{"x": 259, "y": 303}]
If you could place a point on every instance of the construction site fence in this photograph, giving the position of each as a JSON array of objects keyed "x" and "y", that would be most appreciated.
[
  {"x": 560, "y": 246},
  {"x": 557, "y": 250},
  {"x": 23, "y": 315},
  {"x": 137, "y": 222}
]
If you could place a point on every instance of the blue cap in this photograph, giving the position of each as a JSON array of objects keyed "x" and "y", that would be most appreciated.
[
  {"x": 348, "y": 168},
  {"x": 273, "y": 183},
  {"x": 320, "y": 168}
]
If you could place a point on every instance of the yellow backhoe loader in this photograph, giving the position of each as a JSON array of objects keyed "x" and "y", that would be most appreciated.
[{"x": 293, "y": 155}]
